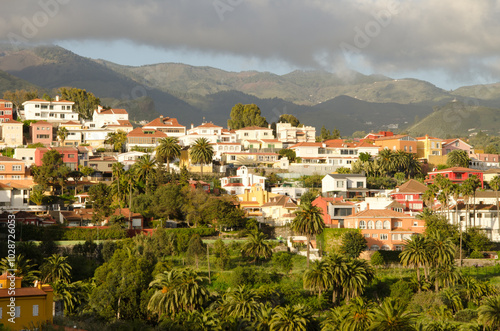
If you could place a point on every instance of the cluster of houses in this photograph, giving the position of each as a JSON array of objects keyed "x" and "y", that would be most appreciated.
[{"x": 385, "y": 217}]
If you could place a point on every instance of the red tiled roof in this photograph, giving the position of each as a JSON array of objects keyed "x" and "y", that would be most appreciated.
[
  {"x": 209, "y": 125},
  {"x": 396, "y": 136},
  {"x": 244, "y": 153},
  {"x": 254, "y": 128},
  {"x": 455, "y": 169},
  {"x": 305, "y": 144},
  {"x": 379, "y": 213},
  {"x": 113, "y": 111},
  {"x": 411, "y": 186},
  {"x": 270, "y": 140},
  {"x": 139, "y": 132},
  {"x": 233, "y": 184},
  {"x": 8, "y": 159},
  {"x": 164, "y": 122},
  {"x": 70, "y": 123},
  {"x": 53, "y": 101}
]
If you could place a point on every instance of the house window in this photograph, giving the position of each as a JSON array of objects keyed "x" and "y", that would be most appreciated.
[
  {"x": 245, "y": 134},
  {"x": 61, "y": 115},
  {"x": 362, "y": 224},
  {"x": 359, "y": 184},
  {"x": 387, "y": 225},
  {"x": 35, "y": 310},
  {"x": 16, "y": 168},
  {"x": 2, "y": 167},
  {"x": 370, "y": 224},
  {"x": 396, "y": 236},
  {"x": 383, "y": 236},
  {"x": 399, "y": 224},
  {"x": 375, "y": 235},
  {"x": 18, "y": 311},
  {"x": 378, "y": 225},
  {"x": 340, "y": 183},
  {"x": 415, "y": 223},
  {"x": 366, "y": 235},
  {"x": 16, "y": 177}
]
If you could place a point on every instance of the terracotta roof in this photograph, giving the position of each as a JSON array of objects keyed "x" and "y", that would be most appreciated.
[
  {"x": 342, "y": 143},
  {"x": 12, "y": 122},
  {"x": 113, "y": 111},
  {"x": 8, "y": 159},
  {"x": 24, "y": 292},
  {"x": 427, "y": 137},
  {"x": 4, "y": 276},
  {"x": 486, "y": 194},
  {"x": 3, "y": 100},
  {"x": 164, "y": 122},
  {"x": 478, "y": 206},
  {"x": 18, "y": 183},
  {"x": 42, "y": 122},
  {"x": 271, "y": 140},
  {"x": 281, "y": 200},
  {"x": 244, "y": 153},
  {"x": 139, "y": 132},
  {"x": 225, "y": 144},
  {"x": 395, "y": 204},
  {"x": 254, "y": 141},
  {"x": 70, "y": 123},
  {"x": 233, "y": 184},
  {"x": 124, "y": 123},
  {"x": 253, "y": 128},
  {"x": 379, "y": 213},
  {"x": 492, "y": 171},
  {"x": 305, "y": 144},
  {"x": 448, "y": 141},
  {"x": 411, "y": 186}
]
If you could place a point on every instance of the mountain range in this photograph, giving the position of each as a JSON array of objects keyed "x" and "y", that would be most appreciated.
[{"x": 349, "y": 101}]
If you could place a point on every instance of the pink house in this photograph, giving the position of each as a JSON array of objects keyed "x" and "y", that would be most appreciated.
[
  {"x": 41, "y": 132},
  {"x": 410, "y": 195},
  {"x": 457, "y": 175},
  {"x": 456, "y": 144},
  {"x": 69, "y": 154}
]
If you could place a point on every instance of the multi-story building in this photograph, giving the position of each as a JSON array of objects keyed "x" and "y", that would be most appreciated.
[
  {"x": 254, "y": 133},
  {"x": 42, "y": 132},
  {"x": 207, "y": 130},
  {"x": 279, "y": 210},
  {"x": 167, "y": 125},
  {"x": 12, "y": 134},
  {"x": 252, "y": 200},
  {"x": 398, "y": 143},
  {"x": 334, "y": 210},
  {"x": 75, "y": 133},
  {"x": 226, "y": 147},
  {"x": 242, "y": 181},
  {"x": 50, "y": 111},
  {"x": 104, "y": 117},
  {"x": 27, "y": 155},
  {"x": 69, "y": 156},
  {"x": 146, "y": 138},
  {"x": 483, "y": 161},
  {"x": 247, "y": 158},
  {"x": 427, "y": 146},
  {"x": 385, "y": 229},
  {"x": 12, "y": 168},
  {"x": 409, "y": 195},
  {"x": 33, "y": 306},
  {"x": 288, "y": 134},
  {"x": 344, "y": 185},
  {"x": 103, "y": 166},
  {"x": 457, "y": 175},
  {"x": 6, "y": 111},
  {"x": 450, "y": 145}
]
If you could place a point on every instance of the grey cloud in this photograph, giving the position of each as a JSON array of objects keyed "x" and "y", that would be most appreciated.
[{"x": 460, "y": 37}]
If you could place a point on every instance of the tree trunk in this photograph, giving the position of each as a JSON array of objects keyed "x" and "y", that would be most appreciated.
[
  {"x": 308, "y": 251},
  {"x": 201, "y": 170},
  {"x": 418, "y": 277}
]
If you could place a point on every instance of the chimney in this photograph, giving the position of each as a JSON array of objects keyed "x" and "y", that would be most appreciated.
[
  {"x": 269, "y": 126},
  {"x": 192, "y": 126},
  {"x": 161, "y": 116},
  {"x": 367, "y": 206},
  {"x": 57, "y": 98}
]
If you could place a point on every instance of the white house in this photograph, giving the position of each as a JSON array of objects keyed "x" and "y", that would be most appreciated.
[
  {"x": 25, "y": 154},
  {"x": 103, "y": 117},
  {"x": 288, "y": 134},
  {"x": 344, "y": 185},
  {"x": 226, "y": 147},
  {"x": 168, "y": 125},
  {"x": 213, "y": 133},
  {"x": 129, "y": 158},
  {"x": 254, "y": 133},
  {"x": 50, "y": 111},
  {"x": 242, "y": 181}
]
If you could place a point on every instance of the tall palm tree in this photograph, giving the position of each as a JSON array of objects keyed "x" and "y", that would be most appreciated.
[
  {"x": 458, "y": 158},
  {"x": 473, "y": 183},
  {"x": 242, "y": 302},
  {"x": 56, "y": 268},
  {"x": 452, "y": 299},
  {"x": 495, "y": 185},
  {"x": 415, "y": 253},
  {"x": 334, "y": 319},
  {"x": 358, "y": 274},
  {"x": 291, "y": 318},
  {"x": 442, "y": 252},
  {"x": 118, "y": 170},
  {"x": 429, "y": 195},
  {"x": 117, "y": 139},
  {"x": 168, "y": 149},
  {"x": 489, "y": 312},
  {"x": 144, "y": 168},
  {"x": 257, "y": 247},
  {"x": 308, "y": 222},
  {"x": 392, "y": 315},
  {"x": 62, "y": 134},
  {"x": 386, "y": 160},
  {"x": 24, "y": 268},
  {"x": 177, "y": 290},
  {"x": 336, "y": 274},
  {"x": 317, "y": 278},
  {"x": 201, "y": 152}
]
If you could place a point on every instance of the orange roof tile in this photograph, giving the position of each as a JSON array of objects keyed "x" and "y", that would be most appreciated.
[
  {"x": 208, "y": 125},
  {"x": 379, "y": 213},
  {"x": 139, "y": 132},
  {"x": 23, "y": 292},
  {"x": 164, "y": 122}
]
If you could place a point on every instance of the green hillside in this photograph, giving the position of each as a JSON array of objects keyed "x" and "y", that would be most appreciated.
[
  {"x": 9, "y": 82},
  {"x": 458, "y": 119}
]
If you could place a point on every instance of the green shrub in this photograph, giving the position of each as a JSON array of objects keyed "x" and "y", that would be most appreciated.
[
  {"x": 377, "y": 259},
  {"x": 283, "y": 260},
  {"x": 402, "y": 290},
  {"x": 476, "y": 255},
  {"x": 466, "y": 315}
]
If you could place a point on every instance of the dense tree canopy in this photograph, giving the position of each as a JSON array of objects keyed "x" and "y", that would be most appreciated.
[
  {"x": 85, "y": 102},
  {"x": 246, "y": 115}
]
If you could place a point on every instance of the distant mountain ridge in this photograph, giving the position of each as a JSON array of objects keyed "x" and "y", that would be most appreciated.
[{"x": 349, "y": 101}]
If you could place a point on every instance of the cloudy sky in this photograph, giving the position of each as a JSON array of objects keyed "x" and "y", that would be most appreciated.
[{"x": 448, "y": 42}]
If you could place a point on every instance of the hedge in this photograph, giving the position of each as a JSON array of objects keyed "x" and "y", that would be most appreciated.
[
  {"x": 203, "y": 232},
  {"x": 58, "y": 232},
  {"x": 330, "y": 239}
]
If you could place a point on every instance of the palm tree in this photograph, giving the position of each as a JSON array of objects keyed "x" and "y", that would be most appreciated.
[
  {"x": 359, "y": 316},
  {"x": 458, "y": 158},
  {"x": 62, "y": 134},
  {"x": 334, "y": 319},
  {"x": 451, "y": 298},
  {"x": 144, "y": 168},
  {"x": 472, "y": 184},
  {"x": 415, "y": 253},
  {"x": 317, "y": 278},
  {"x": 242, "y": 302},
  {"x": 386, "y": 160},
  {"x": 117, "y": 171},
  {"x": 392, "y": 315},
  {"x": 291, "y": 318},
  {"x": 257, "y": 247},
  {"x": 489, "y": 312},
  {"x": 308, "y": 222},
  {"x": 201, "y": 152},
  {"x": 117, "y": 139},
  {"x": 429, "y": 195},
  {"x": 495, "y": 185},
  {"x": 168, "y": 149},
  {"x": 336, "y": 274},
  {"x": 37, "y": 195},
  {"x": 23, "y": 267},
  {"x": 358, "y": 274},
  {"x": 56, "y": 268},
  {"x": 442, "y": 253},
  {"x": 177, "y": 290}
]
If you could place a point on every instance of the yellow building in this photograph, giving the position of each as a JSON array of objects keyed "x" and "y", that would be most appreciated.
[
  {"x": 185, "y": 160},
  {"x": 427, "y": 146},
  {"x": 252, "y": 200},
  {"x": 24, "y": 307}
]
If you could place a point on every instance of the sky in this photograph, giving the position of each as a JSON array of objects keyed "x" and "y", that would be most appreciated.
[{"x": 449, "y": 43}]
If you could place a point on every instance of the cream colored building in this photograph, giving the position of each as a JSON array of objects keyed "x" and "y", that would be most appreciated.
[{"x": 12, "y": 134}]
